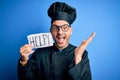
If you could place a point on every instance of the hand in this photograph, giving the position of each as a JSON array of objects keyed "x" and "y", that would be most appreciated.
[
  {"x": 80, "y": 49},
  {"x": 25, "y": 51}
]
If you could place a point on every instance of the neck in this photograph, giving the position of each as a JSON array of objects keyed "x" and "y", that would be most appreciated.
[{"x": 61, "y": 48}]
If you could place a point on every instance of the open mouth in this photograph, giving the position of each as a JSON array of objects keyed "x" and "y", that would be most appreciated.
[{"x": 60, "y": 40}]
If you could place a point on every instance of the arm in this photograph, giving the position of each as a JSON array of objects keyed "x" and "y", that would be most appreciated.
[
  {"x": 26, "y": 67},
  {"x": 80, "y": 49},
  {"x": 81, "y": 71},
  {"x": 26, "y": 72},
  {"x": 32, "y": 69}
]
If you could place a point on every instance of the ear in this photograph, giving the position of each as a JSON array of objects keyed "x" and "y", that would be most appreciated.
[
  {"x": 50, "y": 30},
  {"x": 71, "y": 30}
]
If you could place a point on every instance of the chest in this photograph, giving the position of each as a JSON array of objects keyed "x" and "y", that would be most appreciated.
[{"x": 56, "y": 65}]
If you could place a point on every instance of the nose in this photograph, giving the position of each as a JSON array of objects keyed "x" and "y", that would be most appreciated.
[{"x": 60, "y": 30}]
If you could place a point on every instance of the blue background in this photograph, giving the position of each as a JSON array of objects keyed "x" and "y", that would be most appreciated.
[{"x": 18, "y": 18}]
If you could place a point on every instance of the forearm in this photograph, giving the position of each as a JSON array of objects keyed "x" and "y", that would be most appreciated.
[
  {"x": 81, "y": 71},
  {"x": 22, "y": 61},
  {"x": 21, "y": 71},
  {"x": 26, "y": 72}
]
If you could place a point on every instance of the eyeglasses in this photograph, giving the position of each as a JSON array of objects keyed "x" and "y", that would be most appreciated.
[{"x": 56, "y": 28}]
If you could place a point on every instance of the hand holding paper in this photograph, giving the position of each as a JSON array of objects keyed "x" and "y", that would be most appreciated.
[{"x": 35, "y": 41}]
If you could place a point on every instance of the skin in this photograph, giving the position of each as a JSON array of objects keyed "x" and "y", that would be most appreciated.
[
  {"x": 61, "y": 38},
  {"x": 61, "y": 41}
]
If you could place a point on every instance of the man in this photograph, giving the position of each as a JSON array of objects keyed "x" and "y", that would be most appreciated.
[{"x": 62, "y": 61}]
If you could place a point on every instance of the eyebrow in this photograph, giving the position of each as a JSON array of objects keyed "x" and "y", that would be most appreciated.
[{"x": 59, "y": 25}]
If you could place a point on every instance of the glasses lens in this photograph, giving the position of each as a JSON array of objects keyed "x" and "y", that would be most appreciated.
[
  {"x": 54, "y": 28},
  {"x": 65, "y": 27}
]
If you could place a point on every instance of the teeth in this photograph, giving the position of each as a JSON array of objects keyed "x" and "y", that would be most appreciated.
[{"x": 61, "y": 38}]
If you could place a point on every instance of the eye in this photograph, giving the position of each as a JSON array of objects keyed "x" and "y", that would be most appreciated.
[
  {"x": 54, "y": 28},
  {"x": 65, "y": 27}
]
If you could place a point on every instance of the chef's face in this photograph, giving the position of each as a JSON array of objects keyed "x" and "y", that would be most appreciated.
[{"x": 61, "y": 32}]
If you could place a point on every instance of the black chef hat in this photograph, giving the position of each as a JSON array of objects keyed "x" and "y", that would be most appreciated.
[{"x": 62, "y": 11}]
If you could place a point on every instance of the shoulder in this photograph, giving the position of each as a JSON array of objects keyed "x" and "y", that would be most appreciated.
[
  {"x": 72, "y": 46},
  {"x": 85, "y": 54}
]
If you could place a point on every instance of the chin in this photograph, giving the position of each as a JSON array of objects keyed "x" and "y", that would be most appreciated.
[{"x": 61, "y": 46}]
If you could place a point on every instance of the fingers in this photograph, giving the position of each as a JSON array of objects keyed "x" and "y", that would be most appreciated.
[
  {"x": 86, "y": 42},
  {"x": 90, "y": 38},
  {"x": 26, "y": 49},
  {"x": 25, "y": 46}
]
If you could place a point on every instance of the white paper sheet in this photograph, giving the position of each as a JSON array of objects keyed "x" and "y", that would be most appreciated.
[{"x": 40, "y": 40}]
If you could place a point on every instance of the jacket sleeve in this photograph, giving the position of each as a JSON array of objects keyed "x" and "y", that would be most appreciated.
[
  {"x": 29, "y": 71},
  {"x": 81, "y": 71},
  {"x": 26, "y": 72}
]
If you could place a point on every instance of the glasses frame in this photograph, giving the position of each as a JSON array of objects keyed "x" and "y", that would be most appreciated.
[{"x": 56, "y": 28}]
